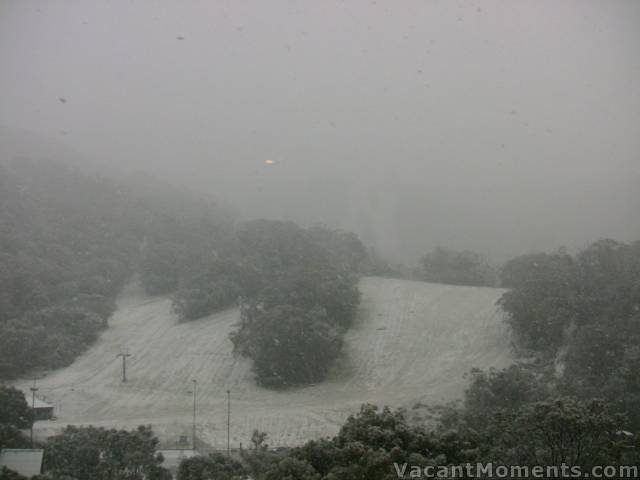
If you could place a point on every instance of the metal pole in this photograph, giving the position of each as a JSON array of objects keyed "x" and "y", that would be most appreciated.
[
  {"x": 124, "y": 365},
  {"x": 33, "y": 409},
  {"x": 228, "y": 423},
  {"x": 195, "y": 384}
]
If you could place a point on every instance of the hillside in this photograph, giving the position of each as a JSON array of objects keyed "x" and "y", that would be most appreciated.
[
  {"x": 412, "y": 342},
  {"x": 70, "y": 241}
]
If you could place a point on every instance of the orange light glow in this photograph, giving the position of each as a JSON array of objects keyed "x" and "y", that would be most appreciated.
[{"x": 269, "y": 162}]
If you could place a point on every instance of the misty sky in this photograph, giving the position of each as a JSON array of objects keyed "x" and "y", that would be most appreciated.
[{"x": 501, "y": 127}]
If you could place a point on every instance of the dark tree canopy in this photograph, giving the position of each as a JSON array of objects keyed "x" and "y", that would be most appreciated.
[
  {"x": 583, "y": 313},
  {"x": 14, "y": 409},
  {"x": 300, "y": 296},
  {"x": 90, "y": 453},
  {"x": 15, "y": 415},
  {"x": 215, "y": 466}
]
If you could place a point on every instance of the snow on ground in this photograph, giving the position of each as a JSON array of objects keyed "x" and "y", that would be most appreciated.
[{"x": 412, "y": 342}]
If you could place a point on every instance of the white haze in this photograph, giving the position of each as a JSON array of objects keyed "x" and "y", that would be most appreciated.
[{"x": 501, "y": 127}]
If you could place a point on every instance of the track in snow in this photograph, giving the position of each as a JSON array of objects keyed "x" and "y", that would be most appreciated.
[{"x": 412, "y": 342}]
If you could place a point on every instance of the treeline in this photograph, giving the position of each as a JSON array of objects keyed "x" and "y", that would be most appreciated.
[
  {"x": 580, "y": 316},
  {"x": 297, "y": 289},
  {"x": 519, "y": 416},
  {"x": 68, "y": 243},
  {"x": 508, "y": 417},
  {"x": 385, "y": 444},
  {"x": 443, "y": 265},
  {"x": 575, "y": 397}
]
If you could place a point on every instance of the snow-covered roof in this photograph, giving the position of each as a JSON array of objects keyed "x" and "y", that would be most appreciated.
[
  {"x": 42, "y": 404},
  {"x": 172, "y": 458},
  {"x": 37, "y": 403},
  {"x": 26, "y": 462}
]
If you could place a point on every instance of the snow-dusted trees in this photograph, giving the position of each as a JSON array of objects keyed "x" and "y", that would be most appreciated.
[
  {"x": 457, "y": 268},
  {"x": 288, "y": 344},
  {"x": 68, "y": 243},
  {"x": 305, "y": 297},
  {"x": 584, "y": 312}
]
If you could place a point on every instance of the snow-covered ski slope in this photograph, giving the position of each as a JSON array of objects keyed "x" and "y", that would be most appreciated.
[{"x": 413, "y": 342}]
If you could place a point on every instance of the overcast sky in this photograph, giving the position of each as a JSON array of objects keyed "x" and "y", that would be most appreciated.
[{"x": 502, "y": 127}]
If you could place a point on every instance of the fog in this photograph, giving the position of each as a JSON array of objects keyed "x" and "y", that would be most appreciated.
[{"x": 502, "y": 127}]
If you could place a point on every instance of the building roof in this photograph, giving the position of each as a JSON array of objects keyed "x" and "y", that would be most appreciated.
[
  {"x": 42, "y": 404},
  {"x": 24, "y": 461},
  {"x": 172, "y": 458},
  {"x": 38, "y": 403}
]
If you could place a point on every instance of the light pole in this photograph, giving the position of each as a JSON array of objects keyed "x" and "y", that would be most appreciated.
[
  {"x": 228, "y": 423},
  {"x": 33, "y": 389},
  {"x": 195, "y": 385},
  {"x": 124, "y": 356}
]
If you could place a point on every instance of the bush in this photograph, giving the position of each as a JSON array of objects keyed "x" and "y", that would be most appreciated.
[
  {"x": 14, "y": 409},
  {"x": 540, "y": 304},
  {"x": 97, "y": 453},
  {"x": 216, "y": 466},
  {"x": 560, "y": 431},
  {"x": 6, "y": 474},
  {"x": 289, "y": 345},
  {"x": 506, "y": 389}
]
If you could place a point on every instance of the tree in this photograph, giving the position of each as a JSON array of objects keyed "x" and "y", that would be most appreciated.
[
  {"x": 14, "y": 409},
  {"x": 320, "y": 454},
  {"x": 583, "y": 314},
  {"x": 540, "y": 303},
  {"x": 269, "y": 258},
  {"x": 559, "y": 431},
  {"x": 345, "y": 249},
  {"x": 288, "y": 344},
  {"x": 292, "y": 469},
  {"x": 6, "y": 474},
  {"x": 218, "y": 288},
  {"x": 457, "y": 268},
  {"x": 367, "y": 446},
  {"x": 216, "y": 466},
  {"x": 69, "y": 242},
  {"x": 88, "y": 453},
  {"x": 160, "y": 267},
  {"x": 14, "y": 415},
  {"x": 259, "y": 459},
  {"x": 258, "y": 440},
  {"x": 508, "y": 389},
  {"x": 300, "y": 294}
]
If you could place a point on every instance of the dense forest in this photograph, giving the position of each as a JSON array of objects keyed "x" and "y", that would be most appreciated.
[
  {"x": 575, "y": 318},
  {"x": 579, "y": 318},
  {"x": 297, "y": 291},
  {"x": 69, "y": 241}
]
